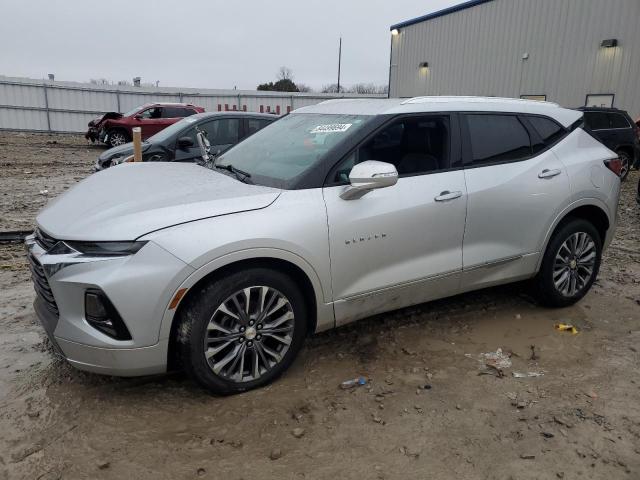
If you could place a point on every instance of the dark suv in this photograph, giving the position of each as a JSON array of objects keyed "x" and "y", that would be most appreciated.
[
  {"x": 114, "y": 128},
  {"x": 177, "y": 143},
  {"x": 616, "y": 130}
]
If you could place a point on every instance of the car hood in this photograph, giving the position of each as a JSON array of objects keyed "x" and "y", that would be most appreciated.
[
  {"x": 109, "y": 115},
  {"x": 130, "y": 200}
]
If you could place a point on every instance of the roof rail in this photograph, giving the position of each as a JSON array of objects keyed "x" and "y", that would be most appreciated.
[{"x": 462, "y": 98}]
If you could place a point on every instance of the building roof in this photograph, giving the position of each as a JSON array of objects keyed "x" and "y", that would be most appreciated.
[
  {"x": 394, "y": 106},
  {"x": 439, "y": 13}
]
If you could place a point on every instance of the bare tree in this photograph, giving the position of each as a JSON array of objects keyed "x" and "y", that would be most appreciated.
[
  {"x": 368, "y": 89},
  {"x": 284, "y": 73},
  {"x": 304, "y": 88},
  {"x": 363, "y": 88},
  {"x": 332, "y": 88},
  {"x": 99, "y": 81}
]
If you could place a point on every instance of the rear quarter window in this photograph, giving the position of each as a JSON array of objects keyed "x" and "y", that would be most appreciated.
[
  {"x": 617, "y": 120},
  {"x": 550, "y": 132}
]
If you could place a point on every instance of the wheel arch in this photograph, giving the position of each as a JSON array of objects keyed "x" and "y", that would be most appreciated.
[
  {"x": 119, "y": 128},
  {"x": 590, "y": 210},
  {"x": 627, "y": 148},
  {"x": 320, "y": 314}
]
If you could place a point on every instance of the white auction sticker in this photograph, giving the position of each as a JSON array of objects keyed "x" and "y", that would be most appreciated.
[{"x": 332, "y": 128}]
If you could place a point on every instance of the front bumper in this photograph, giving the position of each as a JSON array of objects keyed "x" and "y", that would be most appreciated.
[
  {"x": 140, "y": 286},
  {"x": 92, "y": 134}
]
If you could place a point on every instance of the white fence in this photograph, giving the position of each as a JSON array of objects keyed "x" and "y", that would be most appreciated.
[{"x": 46, "y": 106}]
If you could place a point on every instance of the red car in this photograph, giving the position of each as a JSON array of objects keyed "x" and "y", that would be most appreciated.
[{"x": 114, "y": 128}]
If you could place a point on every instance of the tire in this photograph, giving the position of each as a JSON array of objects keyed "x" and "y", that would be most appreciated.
[
  {"x": 625, "y": 159},
  {"x": 211, "y": 316},
  {"x": 117, "y": 137},
  {"x": 552, "y": 273}
]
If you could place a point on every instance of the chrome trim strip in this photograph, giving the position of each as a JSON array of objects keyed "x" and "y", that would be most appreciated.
[
  {"x": 493, "y": 263},
  {"x": 399, "y": 285}
]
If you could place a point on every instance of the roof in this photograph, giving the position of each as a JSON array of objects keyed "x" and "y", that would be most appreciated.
[
  {"x": 394, "y": 106},
  {"x": 439, "y": 13},
  {"x": 234, "y": 113}
]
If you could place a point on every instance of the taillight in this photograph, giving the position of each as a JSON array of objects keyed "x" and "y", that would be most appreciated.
[{"x": 615, "y": 165}]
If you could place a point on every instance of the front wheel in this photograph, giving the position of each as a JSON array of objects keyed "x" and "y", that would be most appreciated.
[
  {"x": 117, "y": 137},
  {"x": 241, "y": 331},
  {"x": 570, "y": 264}
]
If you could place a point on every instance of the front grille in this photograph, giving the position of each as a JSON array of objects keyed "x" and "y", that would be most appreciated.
[
  {"x": 44, "y": 240},
  {"x": 41, "y": 285}
]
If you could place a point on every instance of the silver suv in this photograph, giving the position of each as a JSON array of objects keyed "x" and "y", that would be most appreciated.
[{"x": 334, "y": 213}]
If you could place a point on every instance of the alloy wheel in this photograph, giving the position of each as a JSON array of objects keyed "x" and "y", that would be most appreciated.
[
  {"x": 574, "y": 264},
  {"x": 249, "y": 334},
  {"x": 117, "y": 139}
]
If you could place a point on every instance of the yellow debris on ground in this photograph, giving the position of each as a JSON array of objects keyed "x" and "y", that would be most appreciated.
[{"x": 564, "y": 327}]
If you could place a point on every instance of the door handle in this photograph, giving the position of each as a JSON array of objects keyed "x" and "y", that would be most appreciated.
[
  {"x": 447, "y": 195},
  {"x": 546, "y": 173}
]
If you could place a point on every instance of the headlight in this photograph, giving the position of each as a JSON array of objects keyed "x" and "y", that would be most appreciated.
[{"x": 106, "y": 249}]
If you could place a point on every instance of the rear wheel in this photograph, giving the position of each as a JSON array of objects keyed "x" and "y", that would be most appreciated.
[
  {"x": 241, "y": 331},
  {"x": 570, "y": 264},
  {"x": 625, "y": 160},
  {"x": 117, "y": 137}
]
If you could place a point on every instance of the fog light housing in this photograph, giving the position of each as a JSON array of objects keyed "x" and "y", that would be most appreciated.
[{"x": 103, "y": 316}]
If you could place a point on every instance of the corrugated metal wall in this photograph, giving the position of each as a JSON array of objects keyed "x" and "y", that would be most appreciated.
[
  {"x": 479, "y": 50},
  {"x": 27, "y": 104}
]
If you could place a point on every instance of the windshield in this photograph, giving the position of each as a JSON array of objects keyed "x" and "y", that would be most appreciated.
[
  {"x": 131, "y": 112},
  {"x": 287, "y": 148}
]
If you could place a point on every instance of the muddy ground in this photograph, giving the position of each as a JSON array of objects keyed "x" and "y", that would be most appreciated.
[{"x": 426, "y": 413}]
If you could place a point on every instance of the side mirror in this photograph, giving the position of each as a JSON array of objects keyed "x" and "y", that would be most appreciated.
[
  {"x": 138, "y": 116},
  {"x": 185, "y": 142},
  {"x": 367, "y": 176}
]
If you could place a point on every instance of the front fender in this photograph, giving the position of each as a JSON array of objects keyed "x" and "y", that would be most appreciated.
[
  {"x": 293, "y": 229},
  {"x": 325, "y": 314}
]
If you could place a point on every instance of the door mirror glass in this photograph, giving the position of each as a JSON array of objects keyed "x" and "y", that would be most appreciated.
[
  {"x": 185, "y": 142},
  {"x": 367, "y": 176}
]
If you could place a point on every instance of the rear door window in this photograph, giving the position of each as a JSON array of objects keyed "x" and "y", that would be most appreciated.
[
  {"x": 497, "y": 138},
  {"x": 596, "y": 120},
  {"x": 222, "y": 132},
  {"x": 173, "y": 112},
  {"x": 617, "y": 120}
]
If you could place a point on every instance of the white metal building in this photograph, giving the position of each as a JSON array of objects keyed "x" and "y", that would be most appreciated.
[
  {"x": 573, "y": 52},
  {"x": 54, "y": 106}
]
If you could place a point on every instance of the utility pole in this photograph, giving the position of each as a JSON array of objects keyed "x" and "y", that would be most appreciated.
[{"x": 339, "y": 61}]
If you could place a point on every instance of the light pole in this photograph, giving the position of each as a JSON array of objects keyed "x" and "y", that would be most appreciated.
[{"x": 339, "y": 62}]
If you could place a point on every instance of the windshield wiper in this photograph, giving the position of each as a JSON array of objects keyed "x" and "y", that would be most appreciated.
[{"x": 240, "y": 174}]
